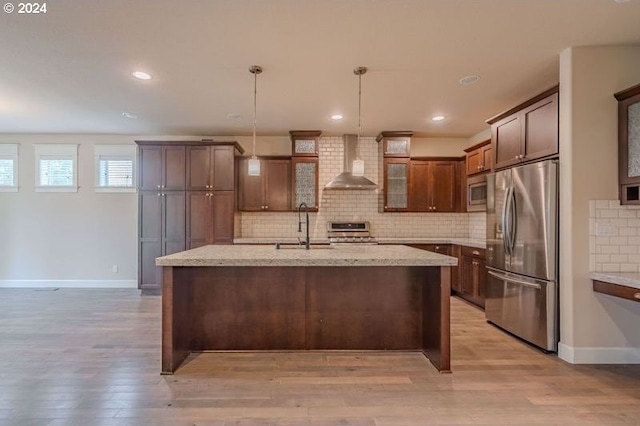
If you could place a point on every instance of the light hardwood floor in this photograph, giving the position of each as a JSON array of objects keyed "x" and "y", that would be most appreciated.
[{"x": 92, "y": 357}]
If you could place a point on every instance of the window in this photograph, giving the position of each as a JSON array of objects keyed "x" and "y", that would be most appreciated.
[
  {"x": 115, "y": 168},
  {"x": 56, "y": 168},
  {"x": 8, "y": 167}
]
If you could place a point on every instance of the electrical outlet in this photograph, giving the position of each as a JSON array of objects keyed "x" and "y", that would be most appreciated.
[{"x": 115, "y": 268}]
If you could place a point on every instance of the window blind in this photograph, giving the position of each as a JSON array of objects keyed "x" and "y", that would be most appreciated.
[
  {"x": 115, "y": 172},
  {"x": 55, "y": 171},
  {"x": 7, "y": 172}
]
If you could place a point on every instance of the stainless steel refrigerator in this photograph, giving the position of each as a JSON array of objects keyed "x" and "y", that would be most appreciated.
[{"x": 522, "y": 252}]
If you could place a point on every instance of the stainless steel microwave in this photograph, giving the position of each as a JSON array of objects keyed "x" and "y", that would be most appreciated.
[{"x": 477, "y": 193}]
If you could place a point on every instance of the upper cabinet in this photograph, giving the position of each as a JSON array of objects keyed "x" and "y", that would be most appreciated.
[
  {"x": 432, "y": 186},
  {"x": 271, "y": 191},
  {"x": 479, "y": 158},
  {"x": 210, "y": 168},
  {"x": 396, "y": 184},
  {"x": 305, "y": 170},
  {"x": 527, "y": 132},
  {"x": 305, "y": 182},
  {"x": 629, "y": 144},
  {"x": 161, "y": 167},
  {"x": 395, "y": 144},
  {"x": 304, "y": 143},
  {"x": 395, "y": 150}
]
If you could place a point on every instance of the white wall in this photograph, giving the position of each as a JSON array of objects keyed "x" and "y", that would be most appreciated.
[
  {"x": 67, "y": 239},
  {"x": 593, "y": 327}
]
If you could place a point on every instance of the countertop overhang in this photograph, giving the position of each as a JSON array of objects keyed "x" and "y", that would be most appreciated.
[
  {"x": 324, "y": 255},
  {"x": 469, "y": 242}
]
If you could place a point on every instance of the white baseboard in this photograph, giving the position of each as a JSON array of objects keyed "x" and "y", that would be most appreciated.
[
  {"x": 574, "y": 355},
  {"x": 68, "y": 283}
]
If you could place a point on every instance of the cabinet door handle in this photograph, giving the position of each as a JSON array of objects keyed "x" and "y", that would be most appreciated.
[{"x": 636, "y": 296}]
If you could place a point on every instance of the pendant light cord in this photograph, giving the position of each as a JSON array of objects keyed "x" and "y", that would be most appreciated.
[
  {"x": 255, "y": 102},
  {"x": 359, "y": 114}
]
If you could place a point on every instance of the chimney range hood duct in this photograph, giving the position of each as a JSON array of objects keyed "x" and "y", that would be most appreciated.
[{"x": 346, "y": 180}]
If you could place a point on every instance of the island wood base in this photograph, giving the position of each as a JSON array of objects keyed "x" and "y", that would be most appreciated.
[{"x": 305, "y": 308}]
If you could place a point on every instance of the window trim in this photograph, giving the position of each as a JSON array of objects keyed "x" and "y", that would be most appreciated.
[
  {"x": 128, "y": 151},
  {"x": 69, "y": 151},
  {"x": 9, "y": 151}
]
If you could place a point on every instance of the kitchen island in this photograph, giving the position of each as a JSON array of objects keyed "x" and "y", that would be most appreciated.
[{"x": 248, "y": 297}]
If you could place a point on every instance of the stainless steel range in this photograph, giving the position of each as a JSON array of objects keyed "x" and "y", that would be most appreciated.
[{"x": 350, "y": 233}]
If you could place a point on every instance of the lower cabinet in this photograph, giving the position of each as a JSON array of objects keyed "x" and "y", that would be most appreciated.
[
  {"x": 174, "y": 221},
  {"x": 472, "y": 275},
  {"x": 161, "y": 231},
  {"x": 468, "y": 278}
]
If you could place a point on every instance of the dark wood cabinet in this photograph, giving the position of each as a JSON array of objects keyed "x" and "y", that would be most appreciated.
[
  {"x": 209, "y": 218},
  {"x": 479, "y": 158},
  {"x": 186, "y": 199},
  {"x": 210, "y": 168},
  {"x": 305, "y": 182},
  {"x": 527, "y": 132},
  {"x": 304, "y": 143},
  {"x": 271, "y": 191},
  {"x": 629, "y": 144},
  {"x": 161, "y": 232},
  {"x": 395, "y": 143},
  {"x": 396, "y": 184},
  {"x": 433, "y": 186},
  {"x": 161, "y": 167},
  {"x": 472, "y": 275}
]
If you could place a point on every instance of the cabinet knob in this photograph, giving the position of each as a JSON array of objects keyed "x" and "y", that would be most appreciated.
[
  {"x": 158, "y": 186},
  {"x": 158, "y": 194},
  {"x": 636, "y": 296},
  {"x": 475, "y": 253},
  {"x": 163, "y": 194}
]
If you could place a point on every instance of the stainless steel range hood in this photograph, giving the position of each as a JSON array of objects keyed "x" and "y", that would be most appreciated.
[{"x": 346, "y": 180}]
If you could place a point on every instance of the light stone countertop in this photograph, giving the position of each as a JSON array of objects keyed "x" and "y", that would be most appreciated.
[
  {"x": 323, "y": 255},
  {"x": 627, "y": 279},
  {"x": 469, "y": 242}
]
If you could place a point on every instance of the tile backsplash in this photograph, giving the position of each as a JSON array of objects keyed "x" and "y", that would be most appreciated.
[
  {"x": 352, "y": 205},
  {"x": 614, "y": 237}
]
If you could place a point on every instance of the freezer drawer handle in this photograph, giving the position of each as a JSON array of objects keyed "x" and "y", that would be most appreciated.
[{"x": 514, "y": 280}]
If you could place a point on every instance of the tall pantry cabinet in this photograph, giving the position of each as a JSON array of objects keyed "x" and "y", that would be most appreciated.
[{"x": 186, "y": 199}]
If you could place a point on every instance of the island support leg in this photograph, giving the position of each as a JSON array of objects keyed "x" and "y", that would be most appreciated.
[
  {"x": 176, "y": 317},
  {"x": 436, "y": 313}
]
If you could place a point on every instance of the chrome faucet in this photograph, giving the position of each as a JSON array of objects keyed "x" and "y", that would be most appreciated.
[{"x": 306, "y": 211}]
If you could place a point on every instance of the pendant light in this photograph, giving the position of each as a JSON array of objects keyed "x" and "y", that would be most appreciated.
[
  {"x": 357, "y": 168},
  {"x": 254, "y": 163}
]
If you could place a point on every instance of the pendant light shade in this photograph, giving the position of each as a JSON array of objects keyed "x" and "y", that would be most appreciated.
[
  {"x": 357, "y": 168},
  {"x": 254, "y": 163}
]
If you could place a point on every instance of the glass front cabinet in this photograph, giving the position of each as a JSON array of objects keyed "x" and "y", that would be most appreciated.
[
  {"x": 304, "y": 161},
  {"x": 629, "y": 144}
]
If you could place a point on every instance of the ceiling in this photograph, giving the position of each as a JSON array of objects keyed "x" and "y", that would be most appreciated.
[{"x": 69, "y": 70}]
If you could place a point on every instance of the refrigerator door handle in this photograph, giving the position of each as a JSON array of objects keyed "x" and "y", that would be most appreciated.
[
  {"x": 505, "y": 228},
  {"x": 514, "y": 221},
  {"x": 514, "y": 280}
]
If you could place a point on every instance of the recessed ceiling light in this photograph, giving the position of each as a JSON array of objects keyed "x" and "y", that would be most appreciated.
[
  {"x": 438, "y": 117},
  {"x": 621, "y": 1},
  {"x": 233, "y": 115},
  {"x": 337, "y": 117},
  {"x": 129, "y": 115},
  {"x": 141, "y": 75},
  {"x": 469, "y": 79}
]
